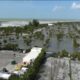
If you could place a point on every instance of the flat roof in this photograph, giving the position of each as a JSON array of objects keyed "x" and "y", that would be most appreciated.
[
  {"x": 4, "y": 75},
  {"x": 35, "y": 51}
]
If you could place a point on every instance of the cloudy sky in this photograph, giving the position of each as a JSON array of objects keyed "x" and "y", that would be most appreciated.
[{"x": 40, "y": 9}]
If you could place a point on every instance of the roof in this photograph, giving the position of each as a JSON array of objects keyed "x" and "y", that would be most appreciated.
[
  {"x": 49, "y": 24},
  {"x": 4, "y": 75},
  {"x": 32, "y": 55},
  {"x": 20, "y": 72},
  {"x": 24, "y": 69}
]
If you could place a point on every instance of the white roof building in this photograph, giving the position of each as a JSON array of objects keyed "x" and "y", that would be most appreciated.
[
  {"x": 49, "y": 24},
  {"x": 32, "y": 55},
  {"x": 4, "y": 75}
]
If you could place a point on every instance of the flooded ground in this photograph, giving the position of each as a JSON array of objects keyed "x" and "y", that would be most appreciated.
[
  {"x": 68, "y": 31},
  {"x": 55, "y": 46}
]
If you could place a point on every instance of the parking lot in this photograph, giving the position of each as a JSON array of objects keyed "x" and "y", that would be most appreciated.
[{"x": 6, "y": 57}]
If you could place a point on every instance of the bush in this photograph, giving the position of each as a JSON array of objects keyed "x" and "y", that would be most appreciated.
[
  {"x": 14, "y": 77},
  {"x": 75, "y": 55},
  {"x": 13, "y": 62},
  {"x": 39, "y": 35},
  {"x": 5, "y": 41},
  {"x": 63, "y": 53},
  {"x": 28, "y": 50},
  {"x": 10, "y": 46}
]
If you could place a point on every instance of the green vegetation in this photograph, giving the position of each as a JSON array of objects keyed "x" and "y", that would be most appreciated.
[
  {"x": 13, "y": 62},
  {"x": 15, "y": 77},
  {"x": 59, "y": 35},
  {"x": 75, "y": 44},
  {"x": 18, "y": 30},
  {"x": 46, "y": 44},
  {"x": 70, "y": 35},
  {"x": 39, "y": 35},
  {"x": 63, "y": 53},
  {"x": 75, "y": 55},
  {"x": 5, "y": 41},
  {"x": 34, "y": 24},
  {"x": 10, "y": 46},
  {"x": 27, "y": 40},
  {"x": 33, "y": 70}
]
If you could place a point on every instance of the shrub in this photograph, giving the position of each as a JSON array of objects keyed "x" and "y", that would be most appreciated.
[
  {"x": 75, "y": 55},
  {"x": 63, "y": 53},
  {"x": 13, "y": 62},
  {"x": 33, "y": 70},
  {"x": 39, "y": 35}
]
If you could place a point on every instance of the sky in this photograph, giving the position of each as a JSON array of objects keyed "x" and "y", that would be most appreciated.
[{"x": 40, "y": 9}]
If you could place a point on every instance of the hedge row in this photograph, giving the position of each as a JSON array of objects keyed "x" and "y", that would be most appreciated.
[{"x": 33, "y": 70}]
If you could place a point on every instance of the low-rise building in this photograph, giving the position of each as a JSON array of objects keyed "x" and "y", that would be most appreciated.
[
  {"x": 4, "y": 75},
  {"x": 32, "y": 55}
]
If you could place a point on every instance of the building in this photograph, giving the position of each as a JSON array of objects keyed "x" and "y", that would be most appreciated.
[
  {"x": 4, "y": 75},
  {"x": 49, "y": 24},
  {"x": 32, "y": 55}
]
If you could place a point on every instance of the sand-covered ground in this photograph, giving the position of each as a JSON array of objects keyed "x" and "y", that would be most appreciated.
[{"x": 59, "y": 69}]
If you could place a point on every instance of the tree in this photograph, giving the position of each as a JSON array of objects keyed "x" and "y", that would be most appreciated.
[
  {"x": 35, "y": 23},
  {"x": 27, "y": 41},
  {"x": 30, "y": 23},
  {"x": 5, "y": 41},
  {"x": 39, "y": 35}
]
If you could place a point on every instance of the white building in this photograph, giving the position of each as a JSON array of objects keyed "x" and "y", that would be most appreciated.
[
  {"x": 32, "y": 55},
  {"x": 4, "y": 75},
  {"x": 49, "y": 24}
]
